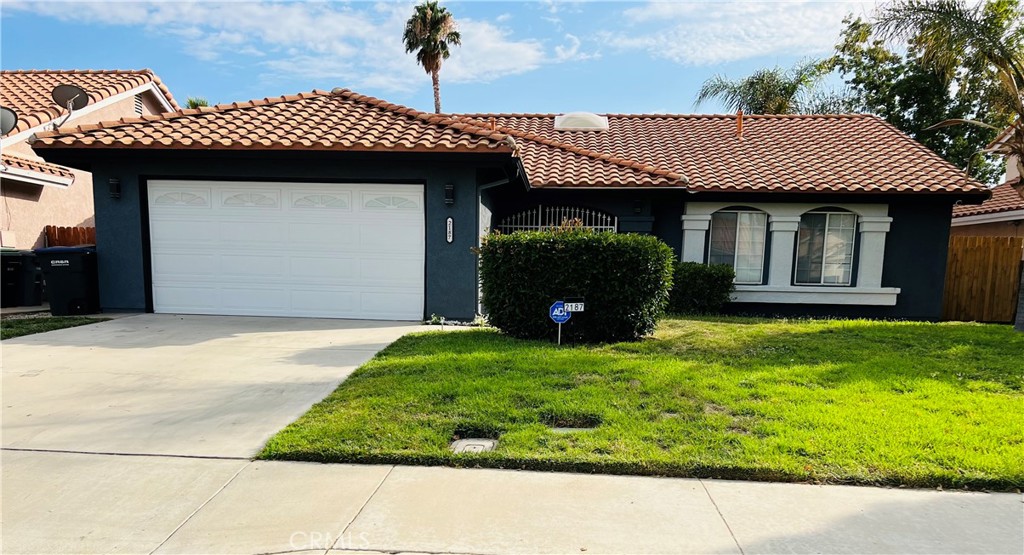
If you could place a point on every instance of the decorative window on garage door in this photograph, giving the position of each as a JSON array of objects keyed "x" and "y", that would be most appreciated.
[
  {"x": 545, "y": 217},
  {"x": 390, "y": 202},
  {"x": 257, "y": 200},
  {"x": 182, "y": 198},
  {"x": 320, "y": 201}
]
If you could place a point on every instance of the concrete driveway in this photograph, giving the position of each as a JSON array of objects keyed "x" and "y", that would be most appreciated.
[
  {"x": 158, "y": 384},
  {"x": 135, "y": 436}
]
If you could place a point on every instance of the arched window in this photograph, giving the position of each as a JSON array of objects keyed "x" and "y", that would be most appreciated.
[
  {"x": 825, "y": 244},
  {"x": 738, "y": 240}
]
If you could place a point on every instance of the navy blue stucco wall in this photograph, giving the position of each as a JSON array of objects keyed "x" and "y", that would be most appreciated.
[{"x": 122, "y": 229}]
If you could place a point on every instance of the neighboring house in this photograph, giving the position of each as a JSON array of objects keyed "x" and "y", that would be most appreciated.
[
  {"x": 35, "y": 193},
  {"x": 1002, "y": 215},
  {"x": 341, "y": 205}
]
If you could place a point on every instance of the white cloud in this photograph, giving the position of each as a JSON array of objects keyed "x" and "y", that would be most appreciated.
[
  {"x": 703, "y": 33},
  {"x": 571, "y": 50},
  {"x": 354, "y": 45}
]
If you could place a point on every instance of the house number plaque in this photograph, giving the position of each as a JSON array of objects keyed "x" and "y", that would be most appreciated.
[{"x": 449, "y": 230}]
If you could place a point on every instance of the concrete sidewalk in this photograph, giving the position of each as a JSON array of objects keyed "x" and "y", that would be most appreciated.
[{"x": 157, "y": 504}]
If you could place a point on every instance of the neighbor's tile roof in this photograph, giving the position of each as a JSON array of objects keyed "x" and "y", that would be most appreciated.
[
  {"x": 37, "y": 166},
  {"x": 1004, "y": 199},
  {"x": 27, "y": 91},
  {"x": 802, "y": 153},
  {"x": 344, "y": 120}
]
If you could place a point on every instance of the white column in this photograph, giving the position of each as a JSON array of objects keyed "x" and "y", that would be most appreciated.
[
  {"x": 872, "y": 250},
  {"x": 695, "y": 229},
  {"x": 783, "y": 230}
]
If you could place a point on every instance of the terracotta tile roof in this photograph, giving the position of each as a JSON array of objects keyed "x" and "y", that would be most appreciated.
[
  {"x": 36, "y": 166},
  {"x": 344, "y": 120},
  {"x": 1004, "y": 199},
  {"x": 842, "y": 153},
  {"x": 813, "y": 153},
  {"x": 27, "y": 91},
  {"x": 319, "y": 120}
]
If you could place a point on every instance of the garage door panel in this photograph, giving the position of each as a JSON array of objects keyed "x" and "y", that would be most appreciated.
[
  {"x": 257, "y": 266},
  {"x": 394, "y": 237},
  {"x": 388, "y": 302},
  {"x": 287, "y": 249},
  {"x": 183, "y": 231},
  {"x": 253, "y": 232},
  {"x": 320, "y": 269},
  {"x": 257, "y": 300},
  {"x": 323, "y": 232},
  {"x": 188, "y": 298},
  {"x": 179, "y": 264},
  {"x": 324, "y": 302},
  {"x": 389, "y": 270}
]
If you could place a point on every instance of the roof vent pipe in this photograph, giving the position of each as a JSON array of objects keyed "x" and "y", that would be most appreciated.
[{"x": 739, "y": 123}]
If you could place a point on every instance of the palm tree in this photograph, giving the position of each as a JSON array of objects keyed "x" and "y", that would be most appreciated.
[
  {"x": 767, "y": 91},
  {"x": 429, "y": 32},
  {"x": 193, "y": 102},
  {"x": 954, "y": 34}
]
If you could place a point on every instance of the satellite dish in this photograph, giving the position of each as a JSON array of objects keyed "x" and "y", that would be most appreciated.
[
  {"x": 8, "y": 120},
  {"x": 70, "y": 97}
]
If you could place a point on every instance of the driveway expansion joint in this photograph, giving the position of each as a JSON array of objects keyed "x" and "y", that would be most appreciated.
[
  {"x": 200, "y": 507},
  {"x": 363, "y": 506},
  {"x": 725, "y": 522}
]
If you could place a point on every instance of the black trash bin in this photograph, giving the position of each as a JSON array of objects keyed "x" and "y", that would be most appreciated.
[
  {"x": 72, "y": 285},
  {"x": 12, "y": 264},
  {"x": 22, "y": 282}
]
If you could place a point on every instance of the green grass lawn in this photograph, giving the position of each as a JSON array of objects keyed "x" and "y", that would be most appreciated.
[
  {"x": 17, "y": 327},
  {"x": 863, "y": 402}
]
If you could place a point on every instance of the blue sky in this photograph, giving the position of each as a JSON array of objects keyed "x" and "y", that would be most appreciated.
[{"x": 609, "y": 57}]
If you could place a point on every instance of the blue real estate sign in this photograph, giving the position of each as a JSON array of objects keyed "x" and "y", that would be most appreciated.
[{"x": 558, "y": 313}]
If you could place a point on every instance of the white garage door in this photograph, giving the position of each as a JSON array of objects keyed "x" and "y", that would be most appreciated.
[{"x": 287, "y": 249}]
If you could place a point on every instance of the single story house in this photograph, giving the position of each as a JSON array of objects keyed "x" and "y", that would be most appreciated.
[
  {"x": 35, "y": 193},
  {"x": 335, "y": 204}
]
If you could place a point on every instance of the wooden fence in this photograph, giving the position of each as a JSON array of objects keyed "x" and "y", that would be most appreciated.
[
  {"x": 982, "y": 279},
  {"x": 70, "y": 236}
]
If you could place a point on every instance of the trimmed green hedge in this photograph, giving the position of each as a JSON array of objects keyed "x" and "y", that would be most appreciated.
[
  {"x": 701, "y": 289},
  {"x": 624, "y": 279}
]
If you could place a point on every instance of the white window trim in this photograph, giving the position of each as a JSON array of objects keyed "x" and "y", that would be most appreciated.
[
  {"x": 873, "y": 223},
  {"x": 736, "y": 243},
  {"x": 821, "y": 280}
]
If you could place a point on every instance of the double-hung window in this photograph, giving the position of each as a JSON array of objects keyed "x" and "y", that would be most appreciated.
[
  {"x": 825, "y": 248},
  {"x": 738, "y": 240}
]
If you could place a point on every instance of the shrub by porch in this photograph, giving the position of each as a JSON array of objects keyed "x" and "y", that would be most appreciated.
[{"x": 624, "y": 278}]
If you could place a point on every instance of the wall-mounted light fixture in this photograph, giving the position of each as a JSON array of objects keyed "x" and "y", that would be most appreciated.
[
  {"x": 114, "y": 186},
  {"x": 449, "y": 193}
]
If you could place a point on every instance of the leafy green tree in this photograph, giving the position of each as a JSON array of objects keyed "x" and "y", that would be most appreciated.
[
  {"x": 429, "y": 33},
  {"x": 962, "y": 64},
  {"x": 771, "y": 91}
]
